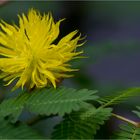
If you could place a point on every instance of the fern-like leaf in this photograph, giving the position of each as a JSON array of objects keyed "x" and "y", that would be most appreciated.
[
  {"x": 81, "y": 125},
  {"x": 119, "y": 97},
  {"x": 17, "y": 131},
  {"x": 137, "y": 112},
  {"x": 48, "y": 101},
  {"x": 127, "y": 132},
  {"x": 60, "y": 101}
]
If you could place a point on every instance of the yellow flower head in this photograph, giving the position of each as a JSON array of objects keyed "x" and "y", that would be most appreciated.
[{"x": 28, "y": 52}]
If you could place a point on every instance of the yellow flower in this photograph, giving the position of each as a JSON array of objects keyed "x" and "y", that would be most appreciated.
[{"x": 29, "y": 54}]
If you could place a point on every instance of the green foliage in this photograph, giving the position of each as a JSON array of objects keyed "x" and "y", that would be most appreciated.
[
  {"x": 137, "y": 112},
  {"x": 48, "y": 101},
  {"x": 60, "y": 101},
  {"x": 81, "y": 119},
  {"x": 17, "y": 131},
  {"x": 120, "y": 97},
  {"x": 127, "y": 131},
  {"x": 81, "y": 125},
  {"x": 13, "y": 107}
]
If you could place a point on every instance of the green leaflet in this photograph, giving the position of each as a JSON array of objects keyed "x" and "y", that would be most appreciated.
[
  {"x": 17, "y": 131},
  {"x": 82, "y": 124},
  {"x": 48, "y": 101},
  {"x": 120, "y": 97},
  {"x": 127, "y": 131},
  {"x": 137, "y": 112}
]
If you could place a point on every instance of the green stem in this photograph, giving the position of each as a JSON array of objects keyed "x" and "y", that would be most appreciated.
[
  {"x": 134, "y": 134},
  {"x": 136, "y": 124}
]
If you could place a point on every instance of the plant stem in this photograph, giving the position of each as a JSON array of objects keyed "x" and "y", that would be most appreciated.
[{"x": 136, "y": 124}]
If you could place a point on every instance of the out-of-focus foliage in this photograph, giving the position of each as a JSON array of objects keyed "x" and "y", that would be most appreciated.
[
  {"x": 17, "y": 131},
  {"x": 137, "y": 112},
  {"x": 127, "y": 131}
]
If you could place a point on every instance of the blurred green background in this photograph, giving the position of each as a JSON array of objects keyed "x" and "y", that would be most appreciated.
[{"x": 113, "y": 45}]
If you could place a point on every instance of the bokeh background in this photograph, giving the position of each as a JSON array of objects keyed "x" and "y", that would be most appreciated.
[{"x": 113, "y": 47}]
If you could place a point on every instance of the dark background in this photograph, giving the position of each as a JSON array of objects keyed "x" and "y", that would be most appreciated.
[{"x": 112, "y": 47}]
